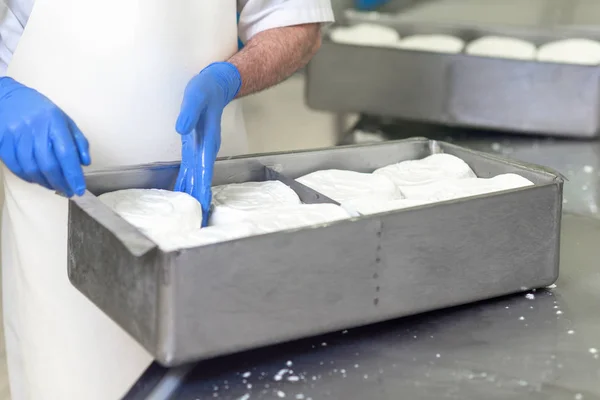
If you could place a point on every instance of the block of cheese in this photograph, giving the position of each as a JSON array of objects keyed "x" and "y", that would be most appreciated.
[
  {"x": 433, "y": 43},
  {"x": 341, "y": 186},
  {"x": 436, "y": 167},
  {"x": 251, "y": 195},
  {"x": 458, "y": 188},
  {"x": 156, "y": 212},
  {"x": 230, "y": 202},
  {"x": 502, "y": 47},
  {"x": 295, "y": 217},
  {"x": 571, "y": 51},
  {"x": 366, "y": 35},
  {"x": 372, "y": 206},
  {"x": 203, "y": 237}
]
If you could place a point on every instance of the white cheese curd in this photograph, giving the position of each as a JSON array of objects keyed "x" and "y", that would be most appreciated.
[
  {"x": 371, "y": 35},
  {"x": 295, "y": 217},
  {"x": 156, "y": 211},
  {"x": 571, "y": 51},
  {"x": 341, "y": 186},
  {"x": 458, "y": 188},
  {"x": 433, "y": 43},
  {"x": 436, "y": 167},
  {"x": 231, "y": 202},
  {"x": 205, "y": 236},
  {"x": 502, "y": 47},
  {"x": 251, "y": 195},
  {"x": 367, "y": 207}
]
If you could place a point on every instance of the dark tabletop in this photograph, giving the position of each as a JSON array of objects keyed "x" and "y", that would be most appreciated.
[{"x": 537, "y": 345}]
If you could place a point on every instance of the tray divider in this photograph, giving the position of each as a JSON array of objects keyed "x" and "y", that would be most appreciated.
[{"x": 306, "y": 194}]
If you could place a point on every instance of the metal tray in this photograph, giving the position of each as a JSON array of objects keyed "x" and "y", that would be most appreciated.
[
  {"x": 458, "y": 89},
  {"x": 209, "y": 301}
]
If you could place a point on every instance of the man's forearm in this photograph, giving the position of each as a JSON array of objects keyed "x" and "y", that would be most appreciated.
[{"x": 274, "y": 55}]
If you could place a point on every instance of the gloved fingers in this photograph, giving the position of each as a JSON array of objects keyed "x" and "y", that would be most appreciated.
[
  {"x": 209, "y": 149},
  {"x": 67, "y": 155},
  {"x": 49, "y": 165},
  {"x": 188, "y": 148},
  {"x": 9, "y": 156},
  {"x": 83, "y": 146},
  {"x": 193, "y": 142},
  {"x": 180, "y": 184},
  {"x": 204, "y": 194},
  {"x": 187, "y": 163},
  {"x": 191, "y": 182},
  {"x": 205, "y": 217},
  {"x": 192, "y": 107},
  {"x": 27, "y": 161}
]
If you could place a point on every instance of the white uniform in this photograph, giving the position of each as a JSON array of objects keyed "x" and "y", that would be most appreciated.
[{"x": 118, "y": 68}]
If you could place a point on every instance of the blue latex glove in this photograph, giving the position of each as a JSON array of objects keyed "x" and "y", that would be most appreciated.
[
  {"x": 367, "y": 5},
  {"x": 39, "y": 142},
  {"x": 199, "y": 123}
]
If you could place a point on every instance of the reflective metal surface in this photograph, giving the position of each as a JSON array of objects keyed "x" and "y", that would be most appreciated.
[
  {"x": 540, "y": 346},
  {"x": 536, "y": 345}
]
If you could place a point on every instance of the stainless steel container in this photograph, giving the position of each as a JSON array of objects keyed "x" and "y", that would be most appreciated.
[
  {"x": 458, "y": 89},
  {"x": 208, "y": 301}
]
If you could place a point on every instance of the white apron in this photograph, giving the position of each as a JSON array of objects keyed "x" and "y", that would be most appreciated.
[{"x": 119, "y": 69}]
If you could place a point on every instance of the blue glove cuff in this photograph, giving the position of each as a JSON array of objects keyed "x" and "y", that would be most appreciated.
[
  {"x": 367, "y": 5},
  {"x": 227, "y": 76}
]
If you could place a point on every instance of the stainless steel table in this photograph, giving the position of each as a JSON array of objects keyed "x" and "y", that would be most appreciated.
[{"x": 543, "y": 345}]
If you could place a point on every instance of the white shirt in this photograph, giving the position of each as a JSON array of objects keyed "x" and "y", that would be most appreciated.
[{"x": 255, "y": 16}]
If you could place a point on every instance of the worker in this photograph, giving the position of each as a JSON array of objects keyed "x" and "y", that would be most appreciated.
[{"x": 115, "y": 83}]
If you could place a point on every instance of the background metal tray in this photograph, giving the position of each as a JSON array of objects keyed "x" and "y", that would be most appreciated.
[
  {"x": 209, "y": 301},
  {"x": 458, "y": 89}
]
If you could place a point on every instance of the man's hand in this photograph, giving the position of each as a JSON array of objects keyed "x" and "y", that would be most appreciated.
[
  {"x": 199, "y": 123},
  {"x": 268, "y": 58},
  {"x": 39, "y": 142}
]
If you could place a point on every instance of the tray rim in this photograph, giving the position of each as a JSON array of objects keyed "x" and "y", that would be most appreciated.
[
  {"x": 416, "y": 139},
  {"x": 146, "y": 244}
]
